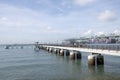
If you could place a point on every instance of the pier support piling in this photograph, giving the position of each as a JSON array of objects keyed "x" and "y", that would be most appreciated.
[
  {"x": 61, "y": 52},
  {"x": 47, "y": 49},
  {"x": 55, "y": 51},
  {"x": 95, "y": 59},
  {"x": 100, "y": 59},
  {"x": 72, "y": 55},
  {"x": 78, "y": 55},
  {"x": 50, "y": 50},
  {"x": 67, "y": 52},
  {"x": 91, "y": 59},
  {"x": 75, "y": 55}
]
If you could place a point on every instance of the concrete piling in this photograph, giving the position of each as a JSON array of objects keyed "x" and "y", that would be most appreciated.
[
  {"x": 91, "y": 59},
  {"x": 55, "y": 51},
  {"x": 95, "y": 59},
  {"x": 78, "y": 55},
  {"x": 100, "y": 60},
  {"x": 61, "y": 52},
  {"x": 50, "y": 50},
  {"x": 67, "y": 52},
  {"x": 72, "y": 55},
  {"x": 47, "y": 49}
]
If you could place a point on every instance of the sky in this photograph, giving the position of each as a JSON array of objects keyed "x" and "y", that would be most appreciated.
[{"x": 49, "y": 21}]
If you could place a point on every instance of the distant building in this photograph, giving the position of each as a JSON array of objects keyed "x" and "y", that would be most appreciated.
[{"x": 110, "y": 39}]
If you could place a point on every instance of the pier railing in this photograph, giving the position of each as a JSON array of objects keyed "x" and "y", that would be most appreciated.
[{"x": 113, "y": 47}]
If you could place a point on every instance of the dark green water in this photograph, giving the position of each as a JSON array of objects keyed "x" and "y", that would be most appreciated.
[{"x": 26, "y": 64}]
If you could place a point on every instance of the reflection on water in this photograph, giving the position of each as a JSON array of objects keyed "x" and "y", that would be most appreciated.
[{"x": 26, "y": 64}]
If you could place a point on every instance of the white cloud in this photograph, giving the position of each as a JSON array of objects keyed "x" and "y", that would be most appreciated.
[
  {"x": 12, "y": 16},
  {"x": 18, "y": 24},
  {"x": 89, "y": 32},
  {"x": 100, "y": 33},
  {"x": 117, "y": 32},
  {"x": 83, "y": 2},
  {"x": 107, "y": 16}
]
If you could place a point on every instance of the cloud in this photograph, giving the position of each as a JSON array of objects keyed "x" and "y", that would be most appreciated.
[
  {"x": 107, "y": 16},
  {"x": 101, "y": 33},
  {"x": 84, "y": 2},
  {"x": 40, "y": 22},
  {"x": 89, "y": 32},
  {"x": 117, "y": 32},
  {"x": 22, "y": 18},
  {"x": 18, "y": 23},
  {"x": 94, "y": 33}
]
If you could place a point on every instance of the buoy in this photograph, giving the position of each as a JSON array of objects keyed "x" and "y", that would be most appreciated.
[
  {"x": 100, "y": 59},
  {"x": 78, "y": 55},
  {"x": 91, "y": 59},
  {"x": 72, "y": 55},
  {"x": 61, "y": 52}
]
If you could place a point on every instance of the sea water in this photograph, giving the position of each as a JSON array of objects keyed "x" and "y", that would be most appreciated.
[{"x": 27, "y": 64}]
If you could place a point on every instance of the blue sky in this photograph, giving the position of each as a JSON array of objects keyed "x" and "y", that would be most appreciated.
[{"x": 28, "y": 21}]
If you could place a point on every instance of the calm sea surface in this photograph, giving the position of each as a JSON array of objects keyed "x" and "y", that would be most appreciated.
[{"x": 26, "y": 64}]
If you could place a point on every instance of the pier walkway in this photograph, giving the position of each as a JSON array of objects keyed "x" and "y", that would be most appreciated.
[
  {"x": 106, "y": 49},
  {"x": 91, "y": 50}
]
